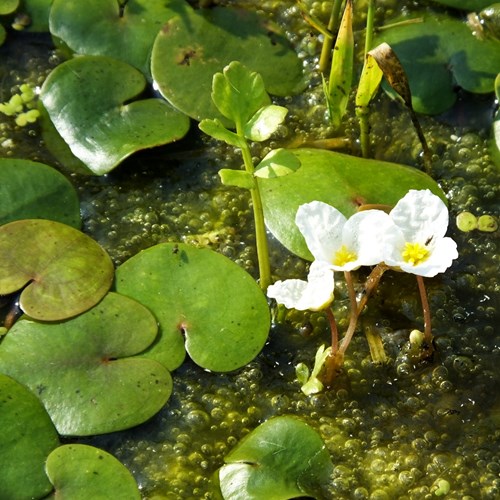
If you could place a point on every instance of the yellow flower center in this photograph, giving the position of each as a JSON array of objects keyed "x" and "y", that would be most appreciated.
[
  {"x": 343, "y": 256},
  {"x": 415, "y": 253}
]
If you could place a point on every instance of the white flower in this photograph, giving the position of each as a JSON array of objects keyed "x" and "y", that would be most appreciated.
[
  {"x": 417, "y": 243},
  {"x": 314, "y": 294},
  {"x": 342, "y": 244}
]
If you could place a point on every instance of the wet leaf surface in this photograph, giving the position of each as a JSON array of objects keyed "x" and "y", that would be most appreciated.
[{"x": 90, "y": 101}]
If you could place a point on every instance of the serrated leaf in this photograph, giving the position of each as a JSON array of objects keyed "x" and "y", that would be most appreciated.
[{"x": 239, "y": 93}]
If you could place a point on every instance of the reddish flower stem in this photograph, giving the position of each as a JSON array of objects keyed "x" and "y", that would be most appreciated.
[{"x": 426, "y": 311}]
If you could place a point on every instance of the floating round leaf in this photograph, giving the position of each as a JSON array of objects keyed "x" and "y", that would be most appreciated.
[
  {"x": 201, "y": 298},
  {"x": 62, "y": 271},
  {"x": 27, "y": 436},
  {"x": 85, "y": 370},
  {"x": 85, "y": 99},
  {"x": 346, "y": 182},
  {"x": 103, "y": 27},
  {"x": 282, "y": 458},
  {"x": 439, "y": 54},
  {"x": 31, "y": 190},
  {"x": 81, "y": 472},
  {"x": 193, "y": 47}
]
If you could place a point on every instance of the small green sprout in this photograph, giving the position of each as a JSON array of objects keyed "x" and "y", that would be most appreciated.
[
  {"x": 22, "y": 106},
  {"x": 311, "y": 384}
]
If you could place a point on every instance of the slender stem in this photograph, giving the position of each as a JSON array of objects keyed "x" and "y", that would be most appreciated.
[
  {"x": 370, "y": 286},
  {"x": 326, "y": 49},
  {"x": 351, "y": 291},
  {"x": 260, "y": 226},
  {"x": 333, "y": 328},
  {"x": 427, "y": 312},
  {"x": 369, "y": 26}
]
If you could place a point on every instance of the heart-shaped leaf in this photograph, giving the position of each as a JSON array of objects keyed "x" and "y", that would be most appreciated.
[
  {"x": 191, "y": 48},
  {"x": 346, "y": 182},
  {"x": 83, "y": 370},
  {"x": 81, "y": 472},
  {"x": 101, "y": 27},
  {"x": 439, "y": 54},
  {"x": 282, "y": 458},
  {"x": 202, "y": 299},
  {"x": 85, "y": 99},
  {"x": 63, "y": 271},
  {"x": 31, "y": 190},
  {"x": 27, "y": 436}
]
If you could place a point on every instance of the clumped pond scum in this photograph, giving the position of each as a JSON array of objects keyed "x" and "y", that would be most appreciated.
[{"x": 393, "y": 430}]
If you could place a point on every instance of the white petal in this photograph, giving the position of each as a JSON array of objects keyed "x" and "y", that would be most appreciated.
[
  {"x": 314, "y": 294},
  {"x": 364, "y": 234},
  {"x": 421, "y": 215},
  {"x": 321, "y": 225},
  {"x": 440, "y": 259}
]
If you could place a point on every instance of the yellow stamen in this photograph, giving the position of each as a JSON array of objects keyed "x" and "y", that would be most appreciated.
[
  {"x": 343, "y": 256},
  {"x": 415, "y": 253}
]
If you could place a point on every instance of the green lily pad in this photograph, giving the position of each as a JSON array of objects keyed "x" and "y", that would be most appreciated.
[
  {"x": 27, "y": 436},
  {"x": 31, "y": 190},
  {"x": 201, "y": 299},
  {"x": 439, "y": 54},
  {"x": 85, "y": 371},
  {"x": 80, "y": 472},
  {"x": 342, "y": 181},
  {"x": 193, "y": 47},
  {"x": 95, "y": 27},
  {"x": 85, "y": 99},
  {"x": 8, "y": 6},
  {"x": 282, "y": 458},
  {"x": 38, "y": 12},
  {"x": 62, "y": 271}
]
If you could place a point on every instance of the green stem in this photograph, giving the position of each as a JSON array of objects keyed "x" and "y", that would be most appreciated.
[
  {"x": 326, "y": 49},
  {"x": 369, "y": 26},
  {"x": 258, "y": 214}
]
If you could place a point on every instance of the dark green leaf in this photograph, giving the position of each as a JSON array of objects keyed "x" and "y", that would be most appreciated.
[
  {"x": 31, "y": 190},
  {"x": 85, "y": 99},
  {"x": 27, "y": 436}
]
